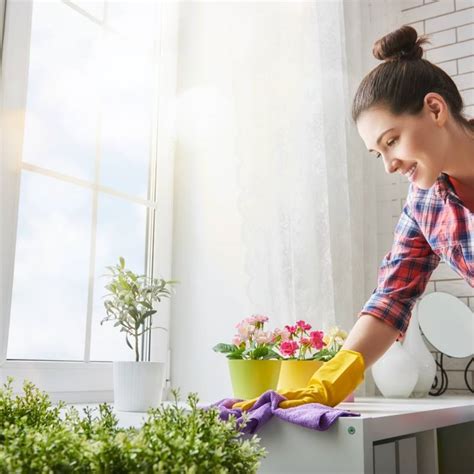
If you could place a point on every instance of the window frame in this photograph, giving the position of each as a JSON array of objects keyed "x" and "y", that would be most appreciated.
[{"x": 82, "y": 381}]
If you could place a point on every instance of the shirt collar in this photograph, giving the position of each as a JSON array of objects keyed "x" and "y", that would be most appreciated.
[{"x": 443, "y": 187}]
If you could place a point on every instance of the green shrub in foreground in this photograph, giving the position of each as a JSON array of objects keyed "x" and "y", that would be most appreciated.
[{"x": 37, "y": 437}]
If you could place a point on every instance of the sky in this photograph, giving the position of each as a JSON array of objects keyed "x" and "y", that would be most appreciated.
[{"x": 88, "y": 111}]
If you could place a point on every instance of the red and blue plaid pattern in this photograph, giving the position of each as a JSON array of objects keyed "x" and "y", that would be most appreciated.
[{"x": 434, "y": 225}]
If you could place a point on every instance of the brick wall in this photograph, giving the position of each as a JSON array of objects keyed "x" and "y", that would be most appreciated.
[{"x": 450, "y": 25}]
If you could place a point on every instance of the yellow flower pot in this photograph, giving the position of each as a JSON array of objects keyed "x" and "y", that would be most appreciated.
[
  {"x": 296, "y": 373},
  {"x": 250, "y": 378}
]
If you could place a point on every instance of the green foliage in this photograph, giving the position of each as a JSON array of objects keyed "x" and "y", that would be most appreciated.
[
  {"x": 324, "y": 355},
  {"x": 129, "y": 303},
  {"x": 253, "y": 351},
  {"x": 36, "y": 437}
]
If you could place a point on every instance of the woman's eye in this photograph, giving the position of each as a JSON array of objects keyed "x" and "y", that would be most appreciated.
[{"x": 389, "y": 143}]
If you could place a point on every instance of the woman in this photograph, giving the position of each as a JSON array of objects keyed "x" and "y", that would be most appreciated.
[{"x": 409, "y": 113}]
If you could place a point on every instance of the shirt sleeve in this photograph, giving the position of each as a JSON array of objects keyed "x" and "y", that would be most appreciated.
[{"x": 403, "y": 274}]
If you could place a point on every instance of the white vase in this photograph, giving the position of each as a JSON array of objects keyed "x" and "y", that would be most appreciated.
[
  {"x": 138, "y": 386},
  {"x": 396, "y": 372},
  {"x": 414, "y": 344}
]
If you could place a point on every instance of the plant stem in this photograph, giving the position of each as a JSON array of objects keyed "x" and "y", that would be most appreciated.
[{"x": 137, "y": 355}]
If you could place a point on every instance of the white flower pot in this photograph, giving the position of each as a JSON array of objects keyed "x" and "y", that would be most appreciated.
[
  {"x": 138, "y": 386},
  {"x": 396, "y": 372}
]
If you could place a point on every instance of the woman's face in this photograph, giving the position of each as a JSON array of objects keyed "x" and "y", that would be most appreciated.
[{"x": 411, "y": 145}]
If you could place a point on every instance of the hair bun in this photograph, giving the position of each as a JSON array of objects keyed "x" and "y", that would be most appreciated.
[{"x": 401, "y": 44}]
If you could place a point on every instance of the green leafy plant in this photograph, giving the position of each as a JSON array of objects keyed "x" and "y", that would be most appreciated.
[
  {"x": 37, "y": 437},
  {"x": 129, "y": 303}
]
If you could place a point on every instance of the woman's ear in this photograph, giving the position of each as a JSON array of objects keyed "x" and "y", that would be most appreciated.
[{"x": 436, "y": 107}]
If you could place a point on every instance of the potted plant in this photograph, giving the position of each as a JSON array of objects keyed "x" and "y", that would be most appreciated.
[
  {"x": 303, "y": 351},
  {"x": 253, "y": 364},
  {"x": 129, "y": 305}
]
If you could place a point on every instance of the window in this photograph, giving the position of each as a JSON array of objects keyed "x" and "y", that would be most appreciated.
[{"x": 84, "y": 153}]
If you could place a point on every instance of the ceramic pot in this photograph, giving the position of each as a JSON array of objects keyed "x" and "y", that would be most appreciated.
[
  {"x": 414, "y": 344},
  {"x": 138, "y": 386},
  {"x": 396, "y": 372},
  {"x": 296, "y": 373},
  {"x": 251, "y": 378}
]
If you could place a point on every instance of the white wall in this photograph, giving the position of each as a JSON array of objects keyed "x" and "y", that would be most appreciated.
[{"x": 450, "y": 24}]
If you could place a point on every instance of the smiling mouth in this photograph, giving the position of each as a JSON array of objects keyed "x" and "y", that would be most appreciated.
[{"x": 410, "y": 172}]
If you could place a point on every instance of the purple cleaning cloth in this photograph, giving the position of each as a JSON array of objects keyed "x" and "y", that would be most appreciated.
[{"x": 311, "y": 415}]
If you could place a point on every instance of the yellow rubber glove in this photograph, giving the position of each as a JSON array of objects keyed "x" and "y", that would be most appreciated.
[{"x": 329, "y": 385}]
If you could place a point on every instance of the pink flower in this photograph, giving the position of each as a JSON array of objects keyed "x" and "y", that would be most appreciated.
[
  {"x": 288, "y": 348},
  {"x": 262, "y": 337},
  {"x": 243, "y": 331},
  {"x": 260, "y": 318},
  {"x": 303, "y": 325},
  {"x": 237, "y": 340},
  {"x": 291, "y": 329},
  {"x": 304, "y": 341},
  {"x": 283, "y": 334},
  {"x": 316, "y": 339}
]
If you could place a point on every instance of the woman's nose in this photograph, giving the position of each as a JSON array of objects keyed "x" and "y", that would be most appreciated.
[{"x": 391, "y": 165}]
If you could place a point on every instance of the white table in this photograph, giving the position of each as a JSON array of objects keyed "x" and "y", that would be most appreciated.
[{"x": 391, "y": 436}]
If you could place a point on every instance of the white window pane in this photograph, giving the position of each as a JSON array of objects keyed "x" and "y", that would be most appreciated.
[
  {"x": 49, "y": 302},
  {"x": 127, "y": 98},
  {"x": 134, "y": 18},
  {"x": 93, "y": 7},
  {"x": 62, "y": 100},
  {"x": 121, "y": 230}
]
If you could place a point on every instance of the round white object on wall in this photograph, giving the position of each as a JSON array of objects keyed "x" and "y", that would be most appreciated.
[{"x": 447, "y": 323}]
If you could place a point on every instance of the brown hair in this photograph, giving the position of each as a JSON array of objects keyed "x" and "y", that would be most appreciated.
[{"x": 404, "y": 78}]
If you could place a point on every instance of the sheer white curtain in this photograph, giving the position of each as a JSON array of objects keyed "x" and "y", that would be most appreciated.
[
  {"x": 307, "y": 191},
  {"x": 274, "y": 208}
]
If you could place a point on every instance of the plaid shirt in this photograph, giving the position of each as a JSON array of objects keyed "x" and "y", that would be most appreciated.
[{"x": 434, "y": 225}]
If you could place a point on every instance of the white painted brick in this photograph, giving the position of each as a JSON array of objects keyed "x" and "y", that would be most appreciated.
[
  {"x": 395, "y": 220},
  {"x": 443, "y": 272},
  {"x": 384, "y": 220},
  {"x": 466, "y": 65},
  {"x": 445, "y": 22},
  {"x": 453, "y": 51},
  {"x": 428, "y": 289},
  {"x": 386, "y": 192},
  {"x": 449, "y": 67},
  {"x": 469, "y": 111},
  {"x": 428, "y": 11},
  {"x": 461, "y": 4},
  {"x": 395, "y": 208},
  {"x": 464, "y": 81},
  {"x": 456, "y": 379},
  {"x": 404, "y": 4},
  {"x": 468, "y": 96},
  {"x": 419, "y": 26},
  {"x": 455, "y": 363},
  {"x": 465, "y": 32},
  {"x": 384, "y": 224},
  {"x": 403, "y": 188},
  {"x": 401, "y": 203},
  {"x": 462, "y": 392},
  {"x": 455, "y": 288},
  {"x": 442, "y": 38}
]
